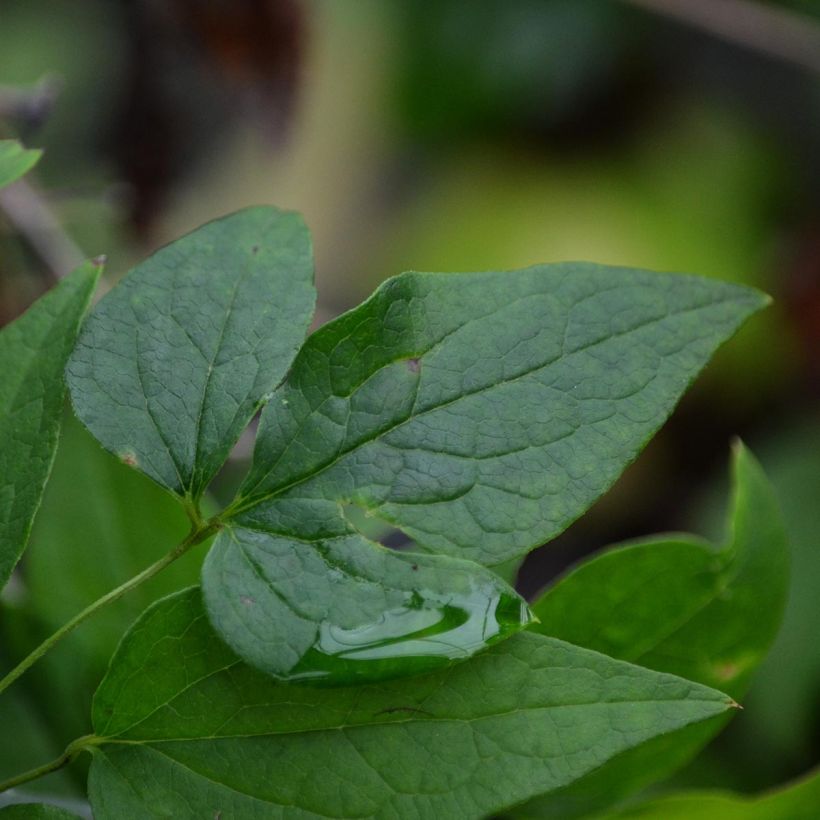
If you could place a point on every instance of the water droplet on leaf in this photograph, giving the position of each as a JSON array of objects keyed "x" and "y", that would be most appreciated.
[{"x": 430, "y": 632}]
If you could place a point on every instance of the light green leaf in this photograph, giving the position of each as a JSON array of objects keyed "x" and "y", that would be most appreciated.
[
  {"x": 678, "y": 605},
  {"x": 480, "y": 413},
  {"x": 15, "y": 161},
  {"x": 186, "y": 730},
  {"x": 797, "y": 801},
  {"x": 175, "y": 360},
  {"x": 100, "y": 524},
  {"x": 36, "y": 811},
  {"x": 33, "y": 353}
]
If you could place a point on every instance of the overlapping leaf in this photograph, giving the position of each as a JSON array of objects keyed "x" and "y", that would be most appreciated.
[
  {"x": 33, "y": 353},
  {"x": 797, "y": 801},
  {"x": 174, "y": 361},
  {"x": 15, "y": 161},
  {"x": 678, "y": 605},
  {"x": 186, "y": 730},
  {"x": 480, "y": 413}
]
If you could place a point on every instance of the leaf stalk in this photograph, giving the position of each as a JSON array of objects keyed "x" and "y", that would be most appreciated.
[{"x": 197, "y": 535}]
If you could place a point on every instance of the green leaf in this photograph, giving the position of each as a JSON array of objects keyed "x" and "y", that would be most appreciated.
[
  {"x": 343, "y": 609},
  {"x": 677, "y": 605},
  {"x": 36, "y": 811},
  {"x": 797, "y": 801},
  {"x": 15, "y": 161},
  {"x": 778, "y": 733},
  {"x": 186, "y": 730},
  {"x": 33, "y": 353},
  {"x": 100, "y": 523},
  {"x": 480, "y": 413},
  {"x": 175, "y": 360}
]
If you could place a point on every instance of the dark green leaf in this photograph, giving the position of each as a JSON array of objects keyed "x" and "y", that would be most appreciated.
[
  {"x": 186, "y": 730},
  {"x": 480, "y": 413},
  {"x": 798, "y": 801},
  {"x": 33, "y": 353},
  {"x": 778, "y": 733},
  {"x": 22, "y": 718},
  {"x": 344, "y": 609},
  {"x": 172, "y": 364},
  {"x": 15, "y": 161},
  {"x": 678, "y": 605},
  {"x": 36, "y": 811}
]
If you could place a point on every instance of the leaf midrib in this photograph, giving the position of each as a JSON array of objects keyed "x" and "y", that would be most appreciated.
[{"x": 378, "y": 724}]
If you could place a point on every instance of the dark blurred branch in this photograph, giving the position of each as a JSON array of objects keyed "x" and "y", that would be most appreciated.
[
  {"x": 777, "y": 32},
  {"x": 30, "y": 107},
  {"x": 29, "y": 213}
]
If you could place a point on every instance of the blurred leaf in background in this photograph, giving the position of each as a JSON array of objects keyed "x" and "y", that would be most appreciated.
[{"x": 100, "y": 523}]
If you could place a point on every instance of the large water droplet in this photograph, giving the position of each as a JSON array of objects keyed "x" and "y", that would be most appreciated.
[{"x": 431, "y": 631}]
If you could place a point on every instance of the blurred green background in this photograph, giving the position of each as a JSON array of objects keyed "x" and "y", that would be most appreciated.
[{"x": 452, "y": 135}]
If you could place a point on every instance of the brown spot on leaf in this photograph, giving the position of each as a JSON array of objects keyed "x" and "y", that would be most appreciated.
[
  {"x": 727, "y": 671},
  {"x": 129, "y": 457},
  {"x": 255, "y": 249},
  {"x": 414, "y": 365},
  {"x": 410, "y": 709}
]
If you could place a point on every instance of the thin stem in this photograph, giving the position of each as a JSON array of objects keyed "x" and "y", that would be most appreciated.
[
  {"x": 777, "y": 32},
  {"x": 29, "y": 212},
  {"x": 74, "y": 748},
  {"x": 196, "y": 536},
  {"x": 40, "y": 771}
]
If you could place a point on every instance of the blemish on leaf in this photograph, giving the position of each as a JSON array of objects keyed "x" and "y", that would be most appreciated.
[
  {"x": 255, "y": 249},
  {"x": 247, "y": 600},
  {"x": 129, "y": 457},
  {"x": 727, "y": 671},
  {"x": 411, "y": 709},
  {"x": 414, "y": 365},
  {"x": 415, "y": 566}
]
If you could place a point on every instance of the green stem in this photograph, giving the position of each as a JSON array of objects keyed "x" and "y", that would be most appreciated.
[
  {"x": 196, "y": 536},
  {"x": 33, "y": 774},
  {"x": 73, "y": 749}
]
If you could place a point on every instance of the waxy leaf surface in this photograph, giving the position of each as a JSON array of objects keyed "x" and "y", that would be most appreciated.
[
  {"x": 175, "y": 360},
  {"x": 679, "y": 605},
  {"x": 186, "y": 730},
  {"x": 33, "y": 353},
  {"x": 15, "y": 161},
  {"x": 479, "y": 413},
  {"x": 797, "y": 801}
]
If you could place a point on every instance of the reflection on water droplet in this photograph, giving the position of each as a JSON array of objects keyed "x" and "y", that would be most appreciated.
[{"x": 426, "y": 634}]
